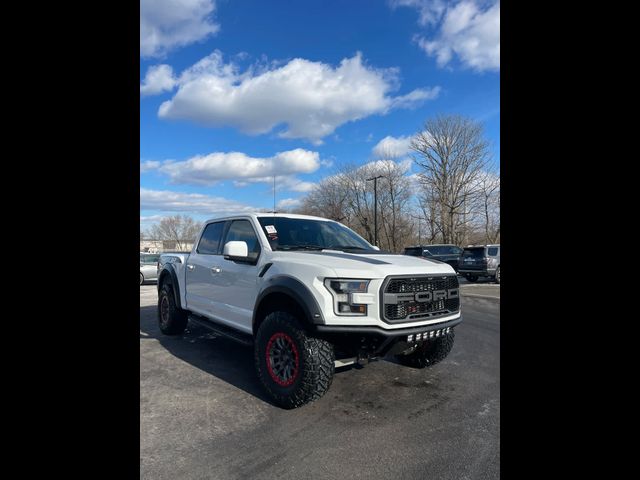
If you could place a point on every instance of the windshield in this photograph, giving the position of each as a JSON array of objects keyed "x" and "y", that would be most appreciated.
[
  {"x": 437, "y": 250},
  {"x": 473, "y": 252},
  {"x": 286, "y": 233},
  {"x": 443, "y": 250},
  {"x": 145, "y": 258}
]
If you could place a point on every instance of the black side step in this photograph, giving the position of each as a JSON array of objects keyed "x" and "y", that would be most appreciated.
[{"x": 223, "y": 330}]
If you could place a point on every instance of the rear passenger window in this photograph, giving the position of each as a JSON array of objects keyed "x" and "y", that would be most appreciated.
[
  {"x": 493, "y": 251},
  {"x": 210, "y": 241}
]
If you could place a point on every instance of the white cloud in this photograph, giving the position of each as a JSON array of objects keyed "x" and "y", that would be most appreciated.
[
  {"x": 415, "y": 97},
  {"x": 159, "y": 78},
  {"x": 466, "y": 30},
  {"x": 209, "y": 169},
  {"x": 430, "y": 11},
  {"x": 169, "y": 201},
  {"x": 149, "y": 218},
  {"x": 392, "y": 146},
  {"x": 403, "y": 166},
  {"x": 328, "y": 162},
  {"x": 288, "y": 203},
  {"x": 283, "y": 183},
  {"x": 303, "y": 99},
  {"x": 293, "y": 184},
  {"x": 149, "y": 165},
  {"x": 169, "y": 24}
]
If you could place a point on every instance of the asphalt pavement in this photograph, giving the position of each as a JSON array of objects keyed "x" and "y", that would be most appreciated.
[{"x": 203, "y": 413}]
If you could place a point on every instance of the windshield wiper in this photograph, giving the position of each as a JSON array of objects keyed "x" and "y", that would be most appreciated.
[
  {"x": 346, "y": 247},
  {"x": 299, "y": 247}
]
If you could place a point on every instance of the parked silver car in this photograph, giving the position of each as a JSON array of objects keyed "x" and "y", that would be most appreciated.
[
  {"x": 481, "y": 261},
  {"x": 148, "y": 266}
]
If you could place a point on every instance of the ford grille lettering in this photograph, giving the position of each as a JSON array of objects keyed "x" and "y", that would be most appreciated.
[{"x": 421, "y": 297}]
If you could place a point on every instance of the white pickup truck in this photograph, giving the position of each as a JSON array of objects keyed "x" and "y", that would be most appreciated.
[{"x": 310, "y": 295}]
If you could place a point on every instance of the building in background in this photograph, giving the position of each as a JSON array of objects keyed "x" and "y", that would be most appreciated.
[{"x": 159, "y": 246}]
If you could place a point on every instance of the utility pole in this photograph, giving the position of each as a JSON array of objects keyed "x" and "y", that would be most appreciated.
[
  {"x": 375, "y": 207},
  {"x": 274, "y": 193}
]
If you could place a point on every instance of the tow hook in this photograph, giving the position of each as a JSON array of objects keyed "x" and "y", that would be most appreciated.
[{"x": 365, "y": 358}]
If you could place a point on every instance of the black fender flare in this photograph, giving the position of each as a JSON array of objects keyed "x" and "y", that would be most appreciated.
[
  {"x": 171, "y": 272},
  {"x": 295, "y": 289}
]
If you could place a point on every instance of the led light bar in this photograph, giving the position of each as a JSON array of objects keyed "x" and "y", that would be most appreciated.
[{"x": 427, "y": 335}]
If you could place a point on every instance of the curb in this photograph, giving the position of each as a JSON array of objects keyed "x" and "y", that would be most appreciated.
[{"x": 473, "y": 295}]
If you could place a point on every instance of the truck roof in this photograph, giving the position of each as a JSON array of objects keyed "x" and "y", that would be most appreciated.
[
  {"x": 267, "y": 214},
  {"x": 433, "y": 245}
]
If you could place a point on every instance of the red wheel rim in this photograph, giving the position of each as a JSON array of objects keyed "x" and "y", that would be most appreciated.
[{"x": 283, "y": 361}]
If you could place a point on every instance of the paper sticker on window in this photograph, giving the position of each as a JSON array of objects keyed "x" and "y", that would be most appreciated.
[{"x": 270, "y": 229}]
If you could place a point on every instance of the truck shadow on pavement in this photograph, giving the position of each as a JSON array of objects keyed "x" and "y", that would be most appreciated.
[{"x": 218, "y": 356}]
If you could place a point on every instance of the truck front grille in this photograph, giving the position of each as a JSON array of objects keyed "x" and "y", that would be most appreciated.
[{"x": 407, "y": 299}]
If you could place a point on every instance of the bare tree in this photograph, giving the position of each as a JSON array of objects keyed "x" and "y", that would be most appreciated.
[
  {"x": 328, "y": 199},
  {"x": 394, "y": 195},
  {"x": 180, "y": 229},
  {"x": 348, "y": 198},
  {"x": 451, "y": 152},
  {"x": 489, "y": 203}
]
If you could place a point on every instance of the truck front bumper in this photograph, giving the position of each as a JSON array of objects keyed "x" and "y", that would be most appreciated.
[
  {"x": 375, "y": 342},
  {"x": 394, "y": 333},
  {"x": 487, "y": 272}
]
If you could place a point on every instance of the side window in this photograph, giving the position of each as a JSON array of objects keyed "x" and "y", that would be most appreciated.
[
  {"x": 210, "y": 241},
  {"x": 457, "y": 251},
  {"x": 493, "y": 251},
  {"x": 242, "y": 231}
]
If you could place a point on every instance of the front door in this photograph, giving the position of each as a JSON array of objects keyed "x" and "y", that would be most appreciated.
[{"x": 238, "y": 280}]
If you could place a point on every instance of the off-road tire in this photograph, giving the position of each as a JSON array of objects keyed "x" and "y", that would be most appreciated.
[
  {"x": 171, "y": 319},
  {"x": 313, "y": 360},
  {"x": 497, "y": 278},
  {"x": 471, "y": 278},
  {"x": 429, "y": 353},
  {"x": 141, "y": 278}
]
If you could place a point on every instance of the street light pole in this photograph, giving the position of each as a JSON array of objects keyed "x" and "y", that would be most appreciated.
[
  {"x": 419, "y": 218},
  {"x": 375, "y": 207}
]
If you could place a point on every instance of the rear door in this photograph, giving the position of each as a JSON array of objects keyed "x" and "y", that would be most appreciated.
[{"x": 201, "y": 270}]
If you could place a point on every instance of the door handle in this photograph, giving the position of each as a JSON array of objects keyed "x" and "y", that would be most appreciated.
[
  {"x": 190, "y": 267},
  {"x": 216, "y": 269}
]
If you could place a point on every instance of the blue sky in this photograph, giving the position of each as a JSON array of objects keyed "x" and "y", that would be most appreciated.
[{"x": 235, "y": 91}]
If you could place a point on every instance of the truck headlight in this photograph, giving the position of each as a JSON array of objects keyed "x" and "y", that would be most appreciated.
[{"x": 347, "y": 295}]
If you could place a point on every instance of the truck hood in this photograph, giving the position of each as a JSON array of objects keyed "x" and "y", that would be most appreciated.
[{"x": 365, "y": 265}]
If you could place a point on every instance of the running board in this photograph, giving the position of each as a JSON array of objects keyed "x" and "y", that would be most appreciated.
[
  {"x": 343, "y": 362},
  {"x": 223, "y": 330}
]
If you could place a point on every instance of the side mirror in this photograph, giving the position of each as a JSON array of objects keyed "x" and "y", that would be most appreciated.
[
  {"x": 375, "y": 247},
  {"x": 236, "y": 251}
]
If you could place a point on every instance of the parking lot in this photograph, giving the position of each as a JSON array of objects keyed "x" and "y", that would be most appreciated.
[{"x": 203, "y": 413}]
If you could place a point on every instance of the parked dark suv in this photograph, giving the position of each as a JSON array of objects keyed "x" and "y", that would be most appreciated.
[
  {"x": 481, "y": 261},
  {"x": 445, "y": 253}
]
